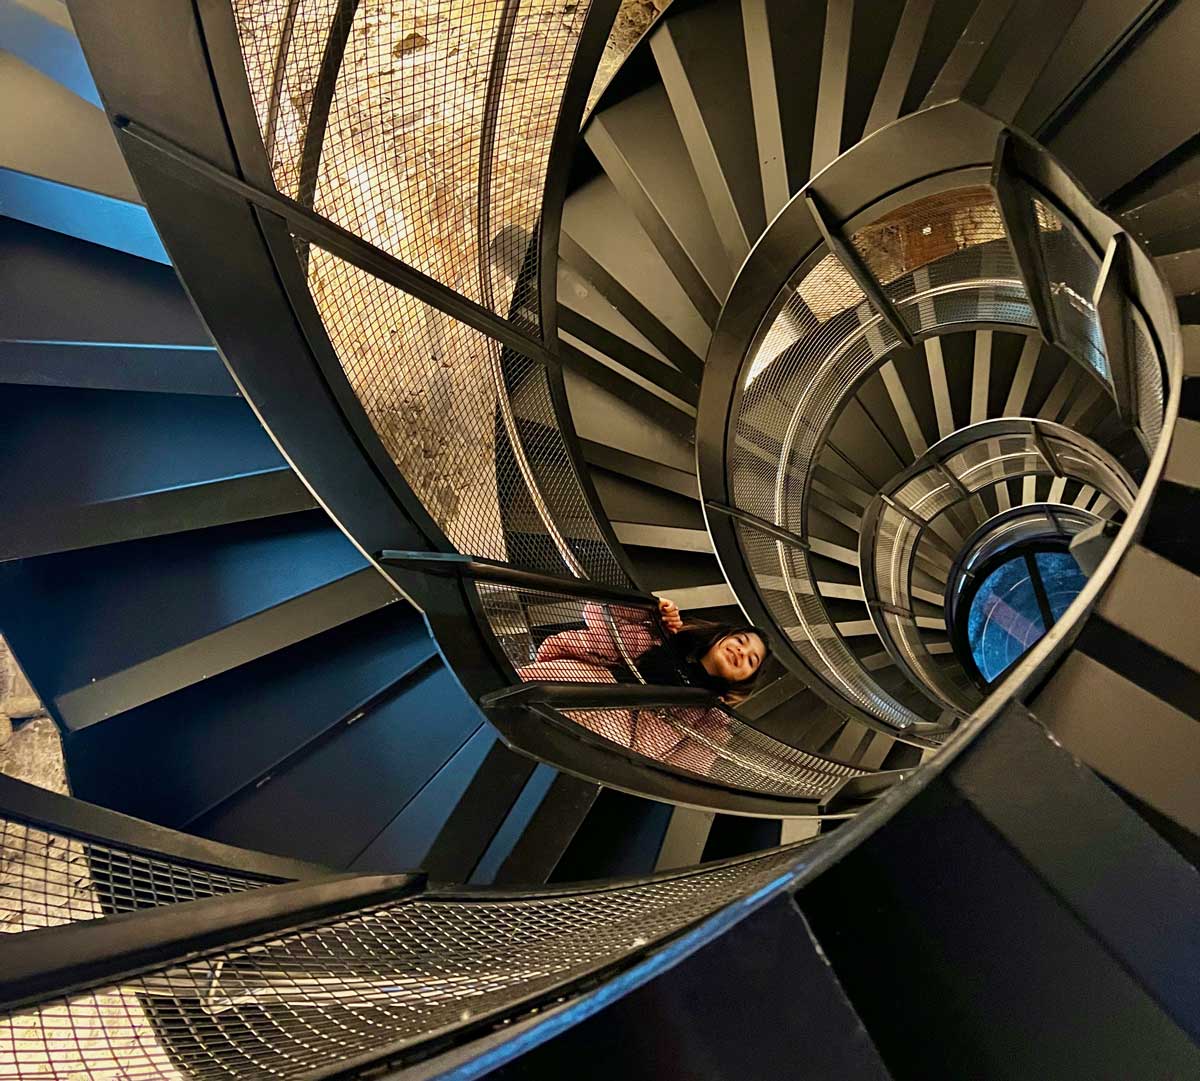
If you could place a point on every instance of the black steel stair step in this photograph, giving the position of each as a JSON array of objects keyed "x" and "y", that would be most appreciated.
[
  {"x": 709, "y": 90},
  {"x": 177, "y": 757},
  {"x": 332, "y": 800},
  {"x": 116, "y": 299},
  {"x": 221, "y": 597},
  {"x": 1039, "y": 888},
  {"x": 638, "y": 143}
]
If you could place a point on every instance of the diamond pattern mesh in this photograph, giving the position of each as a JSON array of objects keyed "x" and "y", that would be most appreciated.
[
  {"x": 48, "y": 879},
  {"x": 549, "y": 637},
  {"x": 439, "y": 128},
  {"x": 712, "y": 744},
  {"x": 609, "y": 636},
  {"x": 378, "y": 981},
  {"x": 430, "y": 387}
]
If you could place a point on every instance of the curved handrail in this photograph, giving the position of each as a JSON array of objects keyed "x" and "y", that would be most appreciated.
[
  {"x": 511, "y": 377},
  {"x": 894, "y": 153},
  {"x": 908, "y": 511}
]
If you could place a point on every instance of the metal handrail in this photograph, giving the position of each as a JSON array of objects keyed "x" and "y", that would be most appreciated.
[
  {"x": 849, "y": 202},
  {"x": 935, "y": 460}
]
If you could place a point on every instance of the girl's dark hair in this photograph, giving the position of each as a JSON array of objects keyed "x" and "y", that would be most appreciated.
[{"x": 677, "y": 659}]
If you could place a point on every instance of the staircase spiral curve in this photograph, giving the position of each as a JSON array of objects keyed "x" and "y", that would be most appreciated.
[{"x": 356, "y": 350}]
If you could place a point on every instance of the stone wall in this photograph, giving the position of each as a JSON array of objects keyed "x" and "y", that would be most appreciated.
[{"x": 29, "y": 745}]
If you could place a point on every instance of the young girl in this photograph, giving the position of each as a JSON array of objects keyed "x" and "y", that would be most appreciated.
[{"x": 722, "y": 658}]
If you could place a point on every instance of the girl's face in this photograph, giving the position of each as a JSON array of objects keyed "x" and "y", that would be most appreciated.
[{"x": 735, "y": 657}]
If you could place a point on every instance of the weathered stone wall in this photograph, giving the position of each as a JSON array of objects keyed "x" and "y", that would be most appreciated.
[{"x": 29, "y": 745}]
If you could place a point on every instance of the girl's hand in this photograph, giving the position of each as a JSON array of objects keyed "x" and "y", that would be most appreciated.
[{"x": 669, "y": 613}]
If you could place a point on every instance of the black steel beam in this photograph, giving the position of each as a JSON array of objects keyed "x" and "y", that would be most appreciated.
[
  {"x": 322, "y": 99},
  {"x": 593, "y": 38},
  {"x": 342, "y": 243},
  {"x": 857, "y": 269},
  {"x": 1043, "y": 448},
  {"x": 55, "y": 962},
  {"x": 761, "y": 524},
  {"x": 599, "y": 695}
]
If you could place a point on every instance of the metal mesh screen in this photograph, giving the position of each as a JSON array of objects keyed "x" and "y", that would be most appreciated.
[
  {"x": 986, "y": 461},
  {"x": 789, "y": 395},
  {"x": 1071, "y": 272},
  {"x": 1148, "y": 380},
  {"x": 548, "y": 637},
  {"x": 439, "y": 126},
  {"x": 712, "y": 744},
  {"x": 48, "y": 879},
  {"x": 283, "y": 42},
  {"x": 784, "y": 580},
  {"x": 380, "y": 980},
  {"x": 554, "y": 638},
  {"x": 926, "y": 251},
  {"x": 435, "y": 392},
  {"x": 1088, "y": 466}
]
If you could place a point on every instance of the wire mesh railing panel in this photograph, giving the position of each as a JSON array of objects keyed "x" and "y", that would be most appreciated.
[
  {"x": 1147, "y": 378},
  {"x": 927, "y": 231},
  {"x": 785, "y": 584},
  {"x": 48, "y": 879},
  {"x": 446, "y": 402},
  {"x": 375, "y": 982},
  {"x": 552, "y": 638},
  {"x": 928, "y": 493},
  {"x": 549, "y": 637},
  {"x": 987, "y": 461},
  {"x": 553, "y": 470},
  {"x": 283, "y": 42},
  {"x": 1089, "y": 466},
  {"x": 1071, "y": 272},
  {"x": 711, "y": 744},
  {"x": 440, "y": 121}
]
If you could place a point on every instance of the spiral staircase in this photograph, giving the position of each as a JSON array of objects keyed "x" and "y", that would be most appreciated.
[{"x": 349, "y": 353}]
